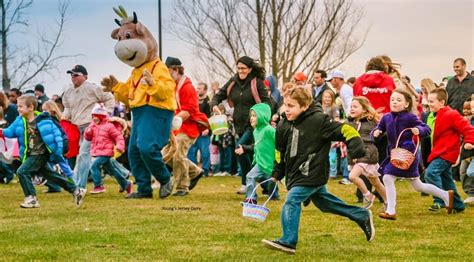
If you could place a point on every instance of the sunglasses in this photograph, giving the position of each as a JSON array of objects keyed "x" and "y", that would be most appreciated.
[{"x": 76, "y": 75}]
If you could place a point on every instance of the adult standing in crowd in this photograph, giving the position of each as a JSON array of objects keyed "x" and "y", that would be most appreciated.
[
  {"x": 461, "y": 86},
  {"x": 13, "y": 95},
  {"x": 10, "y": 111},
  {"x": 203, "y": 142},
  {"x": 186, "y": 130},
  {"x": 343, "y": 90},
  {"x": 41, "y": 97},
  {"x": 243, "y": 90},
  {"x": 320, "y": 85},
  {"x": 79, "y": 100}
]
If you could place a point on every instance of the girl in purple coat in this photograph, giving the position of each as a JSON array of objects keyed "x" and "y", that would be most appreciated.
[{"x": 394, "y": 123}]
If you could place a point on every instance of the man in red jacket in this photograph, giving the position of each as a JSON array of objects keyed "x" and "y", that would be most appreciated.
[
  {"x": 447, "y": 127},
  {"x": 376, "y": 85},
  {"x": 186, "y": 126}
]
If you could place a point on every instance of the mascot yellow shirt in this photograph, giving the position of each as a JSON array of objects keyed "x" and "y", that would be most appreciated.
[{"x": 136, "y": 92}]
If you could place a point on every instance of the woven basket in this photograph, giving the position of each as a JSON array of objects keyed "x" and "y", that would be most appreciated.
[{"x": 400, "y": 157}]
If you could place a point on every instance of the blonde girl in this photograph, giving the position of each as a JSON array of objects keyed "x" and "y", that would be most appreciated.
[{"x": 364, "y": 118}]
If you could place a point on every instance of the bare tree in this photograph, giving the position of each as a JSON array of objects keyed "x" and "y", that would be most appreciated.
[
  {"x": 22, "y": 64},
  {"x": 286, "y": 36}
]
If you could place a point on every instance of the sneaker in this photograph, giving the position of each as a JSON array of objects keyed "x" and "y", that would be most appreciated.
[
  {"x": 79, "y": 196},
  {"x": 180, "y": 193},
  {"x": 165, "y": 190},
  {"x": 469, "y": 200},
  {"x": 128, "y": 189},
  {"x": 30, "y": 202},
  {"x": 39, "y": 181},
  {"x": 345, "y": 181},
  {"x": 277, "y": 245},
  {"x": 369, "y": 201},
  {"x": 386, "y": 215},
  {"x": 195, "y": 180},
  {"x": 98, "y": 189},
  {"x": 368, "y": 227},
  {"x": 450, "y": 207},
  {"x": 435, "y": 207},
  {"x": 136, "y": 195},
  {"x": 242, "y": 190}
]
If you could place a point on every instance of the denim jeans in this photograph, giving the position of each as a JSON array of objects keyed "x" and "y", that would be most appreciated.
[
  {"x": 467, "y": 177},
  {"x": 225, "y": 159},
  {"x": 333, "y": 162},
  {"x": 83, "y": 164},
  {"x": 6, "y": 173},
  {"x": 38, "y": 164},
  {"x": 439, "y": 174},
  {"x": 150, "y": 133},
  {"x": 344, "y": 167},
  {"x": 201, "y": 144},
  {"x": 253, "y": 177},
  {"x": 105, "y": 161},
  {"x": 322, "y": 199},
  {"x": 245, "y": 160}
]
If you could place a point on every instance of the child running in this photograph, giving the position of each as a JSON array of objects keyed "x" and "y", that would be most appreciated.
[
  {"x": 104, "y": 137},
  {"x": 363, "y": 117},
  {"x": 398, "y": 120},
  {"x": 39, "y": 139},
  {"x": 303, "y": 139}
]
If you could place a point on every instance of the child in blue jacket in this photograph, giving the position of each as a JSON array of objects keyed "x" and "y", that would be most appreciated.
[{"x": 39, "y": 140}]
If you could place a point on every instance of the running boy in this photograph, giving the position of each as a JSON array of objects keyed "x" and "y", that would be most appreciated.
[
  {"x": 303, "y": 140},
  {"x": 39, "y": 139}
]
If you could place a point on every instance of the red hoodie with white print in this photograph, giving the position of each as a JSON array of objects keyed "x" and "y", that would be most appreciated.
[{"x": 377, "y": 87}]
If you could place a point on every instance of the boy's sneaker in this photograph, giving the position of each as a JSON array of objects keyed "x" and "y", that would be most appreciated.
[
  {"x": 30, "y": 202},
  {"x": 165, "y": 190},
  {"x": 345, "y": 181},
  {"x": 195, "y": 180},
  {"x": 469, "y": 200},
  {"x": 128, "y": 189},
  {"x": 435, "y": 207},
  {"x": 450, "y": 207},
  {"x": 277, "y": 245},
  {"x": 242, "y": 190},
  {"x": 79, "y": 195},
  {"x": 39, "y": 181},
  {"x": 369, "y": 201},
  {"x": 368, "y": 227},
  {"x": 98, "y": 189}
]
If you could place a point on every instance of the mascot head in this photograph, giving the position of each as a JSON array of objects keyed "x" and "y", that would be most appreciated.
[{"x": 136, "y": 45}]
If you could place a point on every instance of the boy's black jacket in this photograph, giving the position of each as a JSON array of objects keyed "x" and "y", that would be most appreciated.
[{"x": 303, "y": 147}]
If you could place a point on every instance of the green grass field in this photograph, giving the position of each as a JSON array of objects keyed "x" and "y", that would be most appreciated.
[{"x": 208, "y": 225}]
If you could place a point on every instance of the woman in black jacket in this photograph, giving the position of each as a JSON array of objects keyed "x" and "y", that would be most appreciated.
[{"x": 242, "y": 91}]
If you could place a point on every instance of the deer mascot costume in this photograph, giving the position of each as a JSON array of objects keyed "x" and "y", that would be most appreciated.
[{"x": 150, "y": 93}]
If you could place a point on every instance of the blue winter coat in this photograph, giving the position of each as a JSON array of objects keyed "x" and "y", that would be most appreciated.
[{"x": 49, "y": 132}]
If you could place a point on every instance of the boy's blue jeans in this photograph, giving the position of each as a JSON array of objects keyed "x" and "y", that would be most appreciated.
[
  {"x": 439, "y": 174},
  {"x": 202, "y": 145},
  {"x": 38, "y": 164},
  {"x": 253, "y": 177},
  {"x": 105, "y": 161},
  {"x": 322, "y": 199}
]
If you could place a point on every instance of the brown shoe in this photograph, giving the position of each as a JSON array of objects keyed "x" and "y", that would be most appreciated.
[
  {"x": 450, "y": 206},
  {"x": 386, "y": 215}
]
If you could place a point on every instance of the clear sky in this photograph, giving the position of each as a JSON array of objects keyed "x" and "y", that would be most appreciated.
[{"x": 425, "y": 36}]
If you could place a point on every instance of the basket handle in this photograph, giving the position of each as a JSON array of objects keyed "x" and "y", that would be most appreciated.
[
  {"x": 269, "y": 197},
  {"x": 417, "y": 140}
]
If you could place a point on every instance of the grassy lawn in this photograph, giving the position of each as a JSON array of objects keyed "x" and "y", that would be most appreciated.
[{"x": 207, "y": 225}]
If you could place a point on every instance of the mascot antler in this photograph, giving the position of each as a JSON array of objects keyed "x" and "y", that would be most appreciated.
[{"x": 122, "y": 13}]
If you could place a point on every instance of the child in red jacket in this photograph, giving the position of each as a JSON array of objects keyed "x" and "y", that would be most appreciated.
[
  {"x": 105, "y": 136},
  {"x": 448, "y": 126}
]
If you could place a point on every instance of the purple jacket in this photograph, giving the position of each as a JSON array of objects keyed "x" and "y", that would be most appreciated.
[{"x": 394, "y": 123}]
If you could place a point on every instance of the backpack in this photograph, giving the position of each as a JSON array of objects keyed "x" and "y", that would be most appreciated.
[{"x": 253, "y": 87}]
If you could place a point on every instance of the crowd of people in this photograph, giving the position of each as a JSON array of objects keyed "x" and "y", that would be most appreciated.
[{"x": 370, "y": 130}]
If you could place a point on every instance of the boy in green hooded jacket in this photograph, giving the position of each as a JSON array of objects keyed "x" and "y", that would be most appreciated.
[{"x": 264, "y": 151}]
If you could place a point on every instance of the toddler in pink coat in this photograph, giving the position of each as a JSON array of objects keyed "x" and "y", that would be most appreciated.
[{"x": 105, "y": 136}]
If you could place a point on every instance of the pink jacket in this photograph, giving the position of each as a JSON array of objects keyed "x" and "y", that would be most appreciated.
[{"x": 104, "y": 136}]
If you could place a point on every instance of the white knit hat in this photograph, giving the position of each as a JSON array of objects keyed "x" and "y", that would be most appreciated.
[{"x": 99, "y": 109}]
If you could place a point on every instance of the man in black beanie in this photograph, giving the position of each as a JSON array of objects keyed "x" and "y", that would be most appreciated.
[{"x": 41, "y": 96}]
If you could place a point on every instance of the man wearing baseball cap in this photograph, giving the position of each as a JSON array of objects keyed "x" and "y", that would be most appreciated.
[
  {"x": 342, "y": 89},
  {"x": 79, "y": 100}
]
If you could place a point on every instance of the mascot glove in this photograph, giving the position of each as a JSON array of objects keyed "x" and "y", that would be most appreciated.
[
  {"x": 177, "y": 122},
  {"x": 108, "y": 83}
]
